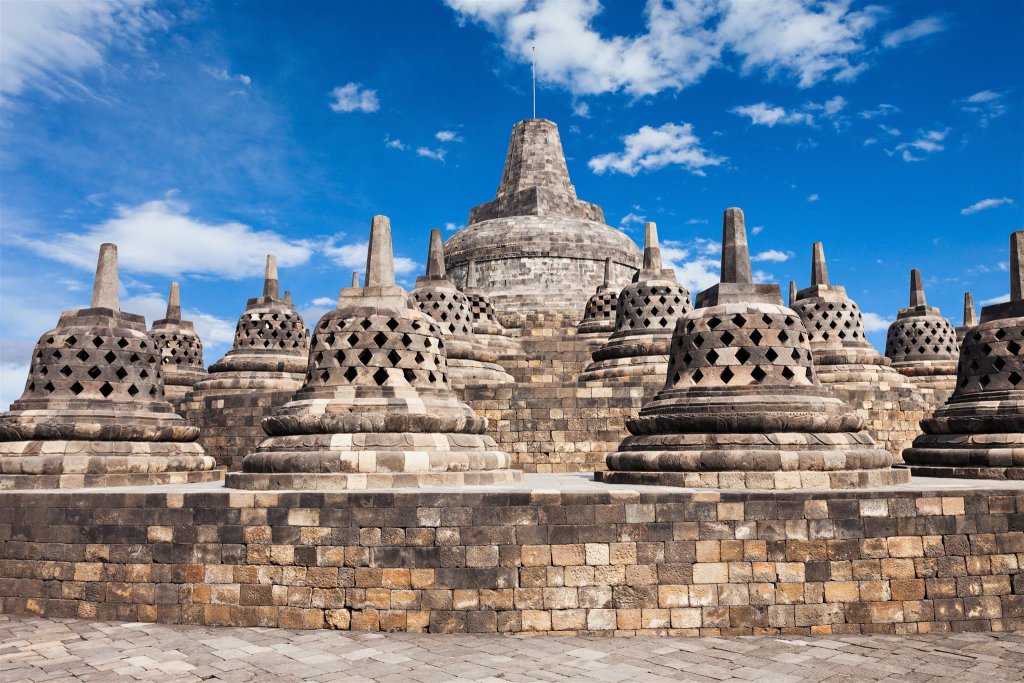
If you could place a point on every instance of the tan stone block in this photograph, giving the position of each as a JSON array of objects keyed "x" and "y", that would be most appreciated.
[
  {"x": 304, "y": 517},
  {"x": 790, "y": 572},
  {"x": 875, "y": 591},
  {"x": 655, "y": 618},
  {"x": 709, "y": 551},
  {"x": 673, "y": 596},
  {"x": 953, "y": 505},
  {"x": 160, "y": 534},
  {"x": 907, "y": 589},
  {"x": 88, "y": 571},
  {"x": 755, "y": 551},
  {"x": 536, "y": 620},
  {"x": 898, "y": 569},
  {"x": 703, "y": 596},
  {"x": 597, "y": 554},
  {"x": 761, "y": 593},
  {"x": 789, "y": 593},
  {"x": 569, "y": 620},
  {"x": 641, "y": 575},
  {"x": 465, "y": 599},
  {"x": 560, "y": 598},
  {"x": 568, "y": 555},
  {"x": 575, "y": 576},
  {"x": 688, "y": 617},
  {"x": 622, "y": 553},
  {"x": 421, "y": 578},
  {"x": 628, "y": 619},
  {"x": 482, "y": 556},
  {"x": 711, "y": 572},
  {"x": 929, "y": 506},
  {"x": 740, "y": 572},
  {"x": 842, "y": 591},
  {"x": 602, "y": 620},
  {"x": 365, "y": 620},
  {"x": 885, "y": 612},
  {"x": 905, "y": 546},
  {"x": 730, "y": 512}
]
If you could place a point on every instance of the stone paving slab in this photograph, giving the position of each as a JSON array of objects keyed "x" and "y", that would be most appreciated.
[{"x": 34, "y": 649}]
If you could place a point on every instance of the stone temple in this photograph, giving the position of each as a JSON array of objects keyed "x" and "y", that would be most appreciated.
[
  {"x": 535, "y": 245},
  {"x": 181, "y": 350}
]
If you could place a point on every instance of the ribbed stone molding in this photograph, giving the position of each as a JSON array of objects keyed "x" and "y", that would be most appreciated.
[
  {"x": 645, "y": 315},
  {"x": 181, "y": 350},
  {"x": 93, "y": 412},
  {"x": 536, "y": 246},
  {"x": 970, "y": 320},
  {"x": 470, "y": 362},
  {"x": 376, "y": 409},
  {"x": 921, "y": 343},
  {"x": 979, "y": 432},
  {"x": 742, "y": 406}
]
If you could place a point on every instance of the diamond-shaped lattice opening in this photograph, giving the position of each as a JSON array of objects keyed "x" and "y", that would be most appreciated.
[
  {"x": 756, "y": 337},
  {"x": 122, "y": 342},
  {"x": 1013, "y": 347},
  {"x": 1014, "y": 378},
  {"x": 783, "y": 337},
  {"x": 771, "y": 354},
  {"x": 698, "y": 341},
  {"x": 121, "y": 373},
  {"x": 83, "y": 355},
  {"x": 758, "y": 374},
  {"x": 738, "y": 320},
  {"x": 795, "y": 355},
  {"x": 766, "y": 319},
  {"x": 419, "y": 357},
  {"x": 380, "y": 339},
  {"x": 742, "y": 356},
  {"x": 70, "y": 341},
  {"x": 365, "y": 356},
  {"x": 394, "y": 357},
  {"x": 727, "y": 337},
  {"x": 365, "y": 324},
  {"x": 94, "y": 372},
  {"x": 697, "y": 376},
  {"x": 133, "y": 390},
  {"x": 339, "y": 356},
  {"x": 687, "y": 358},
  {"x": 727, "y": 375},
  {"x": 110, "y": 357},
  {"x": 431, "y": 377},
  {"x": 329, "y": 339},
  {"x": 50, "y": 388},
  {"x": 97, "y": 342},
  {"x": 133, "y": 358},
  {"x": 410, "y": 376},
  {"x": 66, "y": 371},
  {"x": 381, "y": 376},
  {"x": 353, "y": 339},
  {"x": 106, "y": 389},
  {"x": 392, "y": 324},
  {"x": 714, "y": 322},
  {"x": 712, "y": 356},
  {"x": 984, "y": 381},
  {"x": 787, "y": 373},
  {"x": 350, "y": 373}
]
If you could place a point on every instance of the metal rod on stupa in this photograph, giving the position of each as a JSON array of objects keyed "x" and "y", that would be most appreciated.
[
  {"x": 435, "y": 256},
  {"x": 970, "y": 320},
  {"x": 173, "y": 304},
  {"x": 916, "y": 289},
  {"x": 380, "y": 262},
  {"x": 1016, "y": 261},
  {"x": 652, "y": 251},
  {"x": 792, "y": 292},
  {"x": 271, "y": 286},
  {"x": 735, "y": 253},
  {"x": 819, "y": 271},
  {"x": 104, "y": 287}
]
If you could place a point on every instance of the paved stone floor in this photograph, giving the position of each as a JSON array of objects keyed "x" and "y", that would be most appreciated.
[{"x": 34, "y": 649}]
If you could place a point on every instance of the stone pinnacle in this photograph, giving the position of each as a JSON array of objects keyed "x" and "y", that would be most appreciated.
[
  {"x": 173, "y": 303},
  {"x": 819, "y": 271},
  {"x": 435, "y": 256},
  {"x": 471, "y": 274},
  {"x": 355, "y": 280},
  {"x": 916, "y": 289},
  {"x": 607, "y": 271},
  {"x": 792, "y": 293},
  {"x": 288, "y": 297},
  {"x": 271, "y": 287},
  {"x": 969, "y": 318},
  {"x": 735, "y": 253},
  {"x": 652, "y": 251},
  {"x": 380, "y": 262},
  {"x": 104, "y": 288},
  {"x": 1016, "y": 262}
]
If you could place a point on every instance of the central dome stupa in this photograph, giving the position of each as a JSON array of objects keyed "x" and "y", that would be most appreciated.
[{"x": 536, "y": 246}]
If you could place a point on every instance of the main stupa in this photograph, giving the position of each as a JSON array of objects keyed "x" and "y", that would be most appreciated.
[{"x": 536, "y": 246}]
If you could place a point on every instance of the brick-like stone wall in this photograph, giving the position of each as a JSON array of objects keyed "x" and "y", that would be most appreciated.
[
  {"x": 604, "y": 562},
  {"x": 232, "y": 423}
]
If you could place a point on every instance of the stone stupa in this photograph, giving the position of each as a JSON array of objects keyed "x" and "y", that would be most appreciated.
[
  {"x": 470, "y": 363},
  {"x": 849, "y": 365},
  {"x": 598, "y": 320},
  {"x": 742, "y": 406},
  {"x": 93, "y": 412},
  {"x": 536, "y": 246},
  {"x": 645, "y": 316},
  {"x": 969, "y": 318},
  {"x": 979, "y": 432},
  {"x": 181, "y": 351},
  {"x": 265, "y": 366},
  {"x": 488, "y": 329},
  {"x": 377, "y": 409},
  {"x": 922, "y": 344}
]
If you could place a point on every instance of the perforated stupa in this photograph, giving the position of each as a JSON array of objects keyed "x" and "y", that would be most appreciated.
[
  {"x": 599, "y": 314},
  {"x": 970, "y": 320},
  {"x": 979, "y": 432},
  {"x": 741, "y": 406},
  {"x": 536, "y": 246},
  {"x": 488, "y": 329},
  {"x": 921, "y": 343},
  {"x": 93, "y": 411},
  {"x": 181, "y": 350},
  {"x": 377, "y": 409}
]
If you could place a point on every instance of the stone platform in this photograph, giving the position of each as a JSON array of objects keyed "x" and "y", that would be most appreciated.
[{"x": 550, "y": 554}]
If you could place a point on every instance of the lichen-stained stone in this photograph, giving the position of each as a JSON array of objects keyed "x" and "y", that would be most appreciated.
[
  {"x": 890, "y": 403},
  {"x": 969, "y": 318},
  {"x": 535, "y": 245},
  {"x": 93, "y": 412},
  {"x": 470, "y": 362},
  {"x": 645, "y": 316},
  {"x": 742, "y": 406},
  {"x": 979, "y": 432},
  {"x": 181, "y": 351},
  {"x": 376, "y": 409},
  {"x": 488, "y": 329},
  {"x": 922, "y": 344}
]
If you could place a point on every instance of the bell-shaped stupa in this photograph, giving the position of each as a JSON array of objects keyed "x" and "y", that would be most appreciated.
[
  {"x": 536, "y": 246},
  {"x": 742, "y": 406},
  {"x": 599, "y": 314},
  {"x": 470, "y": 363},
  {"x": 922, "y": 344},
  {"x": 979, "y": 432},
  {"x": 93, "y": 412},
  {"x": 377, "y": 409},
  {"x": 969, "y": 317},
  {"x": 488, "y": 329},
  {"x": 181, "y": 351},
  {"x": 645, "y": 316}
]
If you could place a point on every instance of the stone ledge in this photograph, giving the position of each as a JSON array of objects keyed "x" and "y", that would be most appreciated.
[
  {"x": 27, "y": 482},
  {"x": 362, "y": 481}
]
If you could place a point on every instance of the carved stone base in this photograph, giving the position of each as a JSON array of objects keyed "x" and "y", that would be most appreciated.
[
  {"x": 16, "y": 482},
  {"x": 361, "y": 481},
  {"x": 845, "y": 479}
]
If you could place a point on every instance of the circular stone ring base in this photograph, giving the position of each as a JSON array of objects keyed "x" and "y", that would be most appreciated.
[
  {"x": 843, "y": 479},
  {"x": 359, "y": 482},
  {"x": 21, "y": 482},
  {"x": 1011, "y": 473}
]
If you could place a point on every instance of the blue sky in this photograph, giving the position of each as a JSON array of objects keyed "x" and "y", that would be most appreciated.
[{"x": 200, "y": 136}]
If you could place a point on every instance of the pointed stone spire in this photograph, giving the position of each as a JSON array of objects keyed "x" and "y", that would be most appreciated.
[
  {"x": 735, "y": 253},
  {"x": 792, "y": 293},
  {"x": 355, "y": 280},
  {"x": 271, "y": 287},
  {"x": 916, "y": 289},
  {"x": 104, "y": 287},
  {"x": 969, "y": 318},
  {"x": 652, "y": 250},
  {"x": 380, "y": 262},
  {"x": 435, "y": 256},
  {"x": 607, "y": 272},
  {"x": 288, "y": 297},
  {"x": 471, "y": 274},
  {"x": 173, "y": 304},
  {"x": 819, "y": 271},
  {"x": 1016, "y": 263}
]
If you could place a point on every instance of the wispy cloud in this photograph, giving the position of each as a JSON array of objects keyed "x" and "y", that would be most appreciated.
[
  {"x": 650, "y": 149},
  {"x": 881, "y": 110},
  {"x": 448, "y": 136},
  {"x": 927, "y": 142},
  {"x": 631, "y": 219},
  {"x": 812, "y": 197},
  {"x": 393, "y": 143},
  {"x": 985, "y": 106},
  {"x": 772, "y": 256},
  {"x": 1002, "y": 299},
  {"x": 985, "y": 204},
  {"x": 225, "y": 75},
  {"x": 581, "y": 109},
  {"x": 436, "y": 154},
  {"x": 874, "y": 322},
  {"x": 352, "y": 256},
  {"x": 914, "y": 31},
  {"x": 764, "y": 114},
  {"x": 354, "y": 97}
]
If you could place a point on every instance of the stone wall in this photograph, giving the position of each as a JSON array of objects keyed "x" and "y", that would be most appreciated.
[
  {"x": 231, "y": 424},
  {"x": 603, "y": 561}
]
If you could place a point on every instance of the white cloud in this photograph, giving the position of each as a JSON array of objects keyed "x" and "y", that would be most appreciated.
[
  {"x": 581, "y": 109},
  {"x": 650, "y": 148},
  {"x": 51, "y": 46},
  {"x": 895, "y": 132},
  {"x": 996, "y": 300},
  {"x": 812, "y": 197},
  {"x": 772, "y": 256},
  {"x": 985, "y": 105},
  {"x": 354, "y": 97},
  {"x": 225, "y": 75},
  {"x": 681, "y": 41},
  {"x": 393, "y": 143},
  {"x": 159, "y": 237},
  {"x": 874, "y": 322},
  {"x": 913, "y": 31},
  {"x": 985, "y": 204},
  {"x": 881, "y": 110},
  {"x": 448, "y": 136},
  {"x": 757, "y": 230},
  {"x": 323, "y": 301},
  {"x": 631, "y": 219},
  {"x": 927, "y": 142},
  {"x": 697, "y": 221},
  {"x": 870, "y": 141},
  {"x": 437, "y": 154},
  {"x": 834, "y": 105},
  {"x": 453, "y": 227},
  {"x": 764, "y": 114},
  {"x": 352, "y": 256}
]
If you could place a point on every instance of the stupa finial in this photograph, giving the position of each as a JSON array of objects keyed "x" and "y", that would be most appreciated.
[
  {"x": 380, "y": 261},
  {"x": 608, "y": 271},
  {"x": 355, "y": 279},
  {"x": 916, "y": 289},
  {"x": 471, "y": 274},
  {"x": 435, "y": 256},
  {"x": 970, "y": 320},
  {"x": 271, "y": 286},
  {"x": 819, "y": 271},
  {"x": 1016, "y": 263},
  {"x": 173, "y": 303},
  {"x": 288, "y": 297},
  {"x": 652, "y": 251},
  {"x": 104, "y": 288},
  {"x": 792, "y": 293},
  {"x": 735, "y": 253}
]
